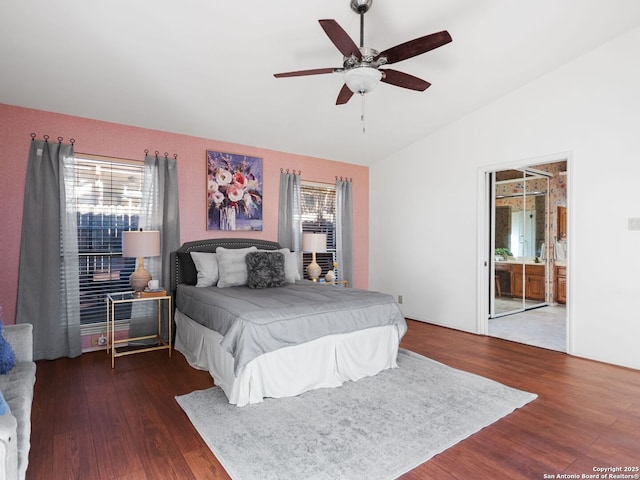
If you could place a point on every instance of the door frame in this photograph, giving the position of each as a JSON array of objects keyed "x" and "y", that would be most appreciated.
[{"x": 483, "y": 241}]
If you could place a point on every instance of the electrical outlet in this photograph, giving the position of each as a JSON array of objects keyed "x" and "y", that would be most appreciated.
[
  {"x": 99, "y": 340},
  {"x": 399, "y": 298}
]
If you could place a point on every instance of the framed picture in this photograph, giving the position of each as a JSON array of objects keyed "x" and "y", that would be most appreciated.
[{"x": 234, "y": 191}]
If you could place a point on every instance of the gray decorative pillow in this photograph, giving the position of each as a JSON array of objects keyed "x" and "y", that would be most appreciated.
[
  {"x": 188, "y": 271},
  {"x": 266, "y": 269}
]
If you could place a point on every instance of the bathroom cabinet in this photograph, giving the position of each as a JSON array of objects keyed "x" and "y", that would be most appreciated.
[{"x": 532, "y": 283}]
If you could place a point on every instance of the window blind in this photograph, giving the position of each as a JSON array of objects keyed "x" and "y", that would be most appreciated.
[
  {"x": 318, "y": 206},
  {"x": 108, "y": 195}
]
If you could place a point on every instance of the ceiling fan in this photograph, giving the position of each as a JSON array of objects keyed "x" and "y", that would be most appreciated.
[{"x": 361, "y": 65}]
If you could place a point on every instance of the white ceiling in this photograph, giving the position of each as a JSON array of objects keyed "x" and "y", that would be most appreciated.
[{"x": 205, "y": 68}]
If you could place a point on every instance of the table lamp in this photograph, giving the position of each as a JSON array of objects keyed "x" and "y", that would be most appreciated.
[
  {"x": 140, "y": 244},
  {"x": 314, "y": 243}
]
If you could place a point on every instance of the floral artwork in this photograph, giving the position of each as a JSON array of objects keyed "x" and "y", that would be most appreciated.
[{"x": 234, "y": 191}]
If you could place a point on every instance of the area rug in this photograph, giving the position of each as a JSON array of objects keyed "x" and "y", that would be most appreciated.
[{"x": 376, "y": 428}]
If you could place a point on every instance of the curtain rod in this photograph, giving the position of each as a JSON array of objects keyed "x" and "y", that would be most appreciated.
[
  {"x": 166, "y": 155},
  {"x": 46, "y": 138},
  {"x": 93, "y": 156},
  {"x": 344, "y": 179},
  {"x": 73, "y": 140}
]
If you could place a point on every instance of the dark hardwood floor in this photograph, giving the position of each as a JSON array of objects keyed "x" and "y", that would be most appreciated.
[{"x": 92, "y": 422}]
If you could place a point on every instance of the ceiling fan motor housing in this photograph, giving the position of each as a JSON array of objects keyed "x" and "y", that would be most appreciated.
[{"x": 369, "y": 58}]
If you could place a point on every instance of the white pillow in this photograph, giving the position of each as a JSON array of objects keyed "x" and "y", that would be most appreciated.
[
  {"x": 291, "y": 260},
  {"x": 207, "y": 267},
  {"x": 232, "y": 266}
]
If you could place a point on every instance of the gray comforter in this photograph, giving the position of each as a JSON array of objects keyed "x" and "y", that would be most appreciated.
[{"x": 257, "y": 321}]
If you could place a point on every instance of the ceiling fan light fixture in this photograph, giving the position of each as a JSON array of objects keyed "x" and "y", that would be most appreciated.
[{"x": 362, "y": 79}]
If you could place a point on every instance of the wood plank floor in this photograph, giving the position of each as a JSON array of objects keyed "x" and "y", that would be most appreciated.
[{"x": 91, "y": 422}]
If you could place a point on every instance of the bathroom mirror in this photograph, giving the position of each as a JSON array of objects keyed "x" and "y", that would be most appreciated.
[{"x": 520, "y": 240}]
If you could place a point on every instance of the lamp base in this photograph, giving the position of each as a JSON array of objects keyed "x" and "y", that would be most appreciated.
[
  {"x": 313, "y": 271},
  {"x": 139, "y": 279}
]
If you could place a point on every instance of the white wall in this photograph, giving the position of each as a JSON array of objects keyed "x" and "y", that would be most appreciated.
[{"x": 424, "y": 214}]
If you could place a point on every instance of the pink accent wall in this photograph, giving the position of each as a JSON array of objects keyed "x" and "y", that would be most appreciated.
[{"x": 116, "y": 140}]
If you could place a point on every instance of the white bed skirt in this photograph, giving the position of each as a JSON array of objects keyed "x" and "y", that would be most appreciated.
[{"x": 323, "y": 363}]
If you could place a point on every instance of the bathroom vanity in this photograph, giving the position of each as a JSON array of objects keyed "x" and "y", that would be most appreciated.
[{"x": 517, "y": 278}]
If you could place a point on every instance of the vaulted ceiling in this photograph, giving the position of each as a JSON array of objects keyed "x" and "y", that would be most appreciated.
[{"x": 205, "y": 68}]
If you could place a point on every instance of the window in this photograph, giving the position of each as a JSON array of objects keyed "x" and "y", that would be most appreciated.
[
  {"x": 318, "y": 205},
  {"x": 108, "y": 195}
]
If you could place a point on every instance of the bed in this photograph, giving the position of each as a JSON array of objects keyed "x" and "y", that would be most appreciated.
[{"x": 263, "y": 332}]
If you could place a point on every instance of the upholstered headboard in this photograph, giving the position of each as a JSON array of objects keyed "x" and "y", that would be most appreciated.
[{"x": 183, "y": 270}]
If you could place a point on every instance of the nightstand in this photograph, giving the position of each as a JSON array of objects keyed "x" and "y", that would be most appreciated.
[{"x": 115, "y": 299}]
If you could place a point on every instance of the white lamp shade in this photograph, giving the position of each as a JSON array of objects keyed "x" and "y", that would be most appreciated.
[
  {"x": 314, "y": 242},
  {"x": 141, "y": 243},
  {"x": 362, "y": 79}
]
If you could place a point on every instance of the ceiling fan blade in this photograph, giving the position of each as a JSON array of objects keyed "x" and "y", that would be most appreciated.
[
  {"x": 301, "y": 73},
  {"x": 404, "y": 80},
  {"x": 344, "y": 96},
  {"x": 340, "y": 38},
  {"x": 415, "y": 47}
]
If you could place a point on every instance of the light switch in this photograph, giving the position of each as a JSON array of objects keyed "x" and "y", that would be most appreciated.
[{"x": 634, "y": 224}]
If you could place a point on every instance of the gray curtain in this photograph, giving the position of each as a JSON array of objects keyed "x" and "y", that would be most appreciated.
[
  {"x": 160, "y": 211},
  {"x": 48, "y": 285},
  {"x": 289, "y": 212},
  {"x": 344, "y": 229}
]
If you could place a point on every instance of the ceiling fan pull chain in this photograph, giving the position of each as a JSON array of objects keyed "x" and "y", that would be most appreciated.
[{"x": 364, "y": 130}]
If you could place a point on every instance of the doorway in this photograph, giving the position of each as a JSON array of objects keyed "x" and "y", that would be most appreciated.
[{"x": 526, "y": 294}]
